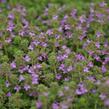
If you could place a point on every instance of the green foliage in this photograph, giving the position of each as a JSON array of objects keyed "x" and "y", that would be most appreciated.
[
  {"x": 17, "y": 40},
  {"x": 4, "y": 58},
  {"x": 24, "y": 44}
]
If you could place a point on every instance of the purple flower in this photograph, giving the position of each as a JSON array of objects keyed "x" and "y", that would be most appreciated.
[
  {"x": 91, "y": 16},
  {"x": 82, "y": 18},
  {"x": 27, "y": 58},
  {"x": 62, "y": 57},
  {"x": 90, "y": 64},
  {"x": 62, "y": 67},
  {"x": 31, "y": 70},
  {"x": 21, "y": 78},
  {"x": 80, "y": 57},
  {"x": 11, "y": 26},
  {"x": 37, "y": 66},
  {"x": 106, "y": 44},
  {"x": 7, "y": 83},
  {"x": 57, "y": 37},
  {"x": 22, "y": 69},
  {"x": 91, "y": 53},
  {"x": 39, "y": 104},
  {"x": 98, "y": 82},
  {"x": 86, "y": 69},
  {"x": 97, "y": 44},
  {"x": 25, "y": 23},
  {"x": 13, "y": 65},
  {"x": 40, "y": 58},
  {"x": 11, "y": 16},
  {"x": 98, "y": 34},
  {"x": 68, "y": 51},
  {"x": 107, "y": 82},
  {"x": 73, "y": 13},
  {"x": 106, "y": 102},
  {"x": 17, "y": 88},
  {"x": 3, "y": 1},
  {"x": 8, "y": 94},
  {"x": 49, "y": 32},
  {"x": 8, "y": 40},
  {"x": 27, "y": 87},
  {"x": 82, "y": 37},
  {"x": 64, "y": 106},
  {"x": 60, "y": 29},
  {"x": 66, "y": 79},
  {"x": 102, "y": 4},
  {"x": 55, "y": 105},
  {"x": 60, "y": 94},
  {"x": 65, "y": 17},
  {"x": 97, "y": 58},
  {"x": 43, "y": 44},
  {"x": 31, "y": 47},
  {"x": 59, "y": 58},
  {"x": 100, "y": 16},
  {"x": 34, "y": 78},
  {"x": 55, "y": 17},
  {"x": 91, "y": 78},
  {"x": 58, "y": 76},
  {"x": 31, "y": 34},
  {"x": 67, "y": 27},
  {"x": 106, "y": 60},
  {"x": 66, "y": 87},
  {"x": 68, "y": 34},
  {"x": 21, "y": 33},
  {"x": 81, "y": 89},
  {"x": 65, "y": 56},
  {"x": 64, "y": 47},
  {"x": 102, "y": 96},
  {"x": 93, "y": 91},
  {"x": 103, "y": 68},
  {"x": 70, "y": 68}
]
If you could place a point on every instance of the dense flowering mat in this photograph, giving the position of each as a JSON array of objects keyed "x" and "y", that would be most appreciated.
[{"x": 57, "y": 59}]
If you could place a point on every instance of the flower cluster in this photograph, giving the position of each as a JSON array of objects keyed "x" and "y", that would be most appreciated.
[{"x": 58, "y": 59}]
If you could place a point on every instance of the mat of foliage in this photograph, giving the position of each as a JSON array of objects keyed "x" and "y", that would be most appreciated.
[{"x": 54, "y": 56}]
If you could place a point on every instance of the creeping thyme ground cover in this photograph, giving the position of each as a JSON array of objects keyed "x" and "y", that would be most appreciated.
[{"x": 54, "y": 54}]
